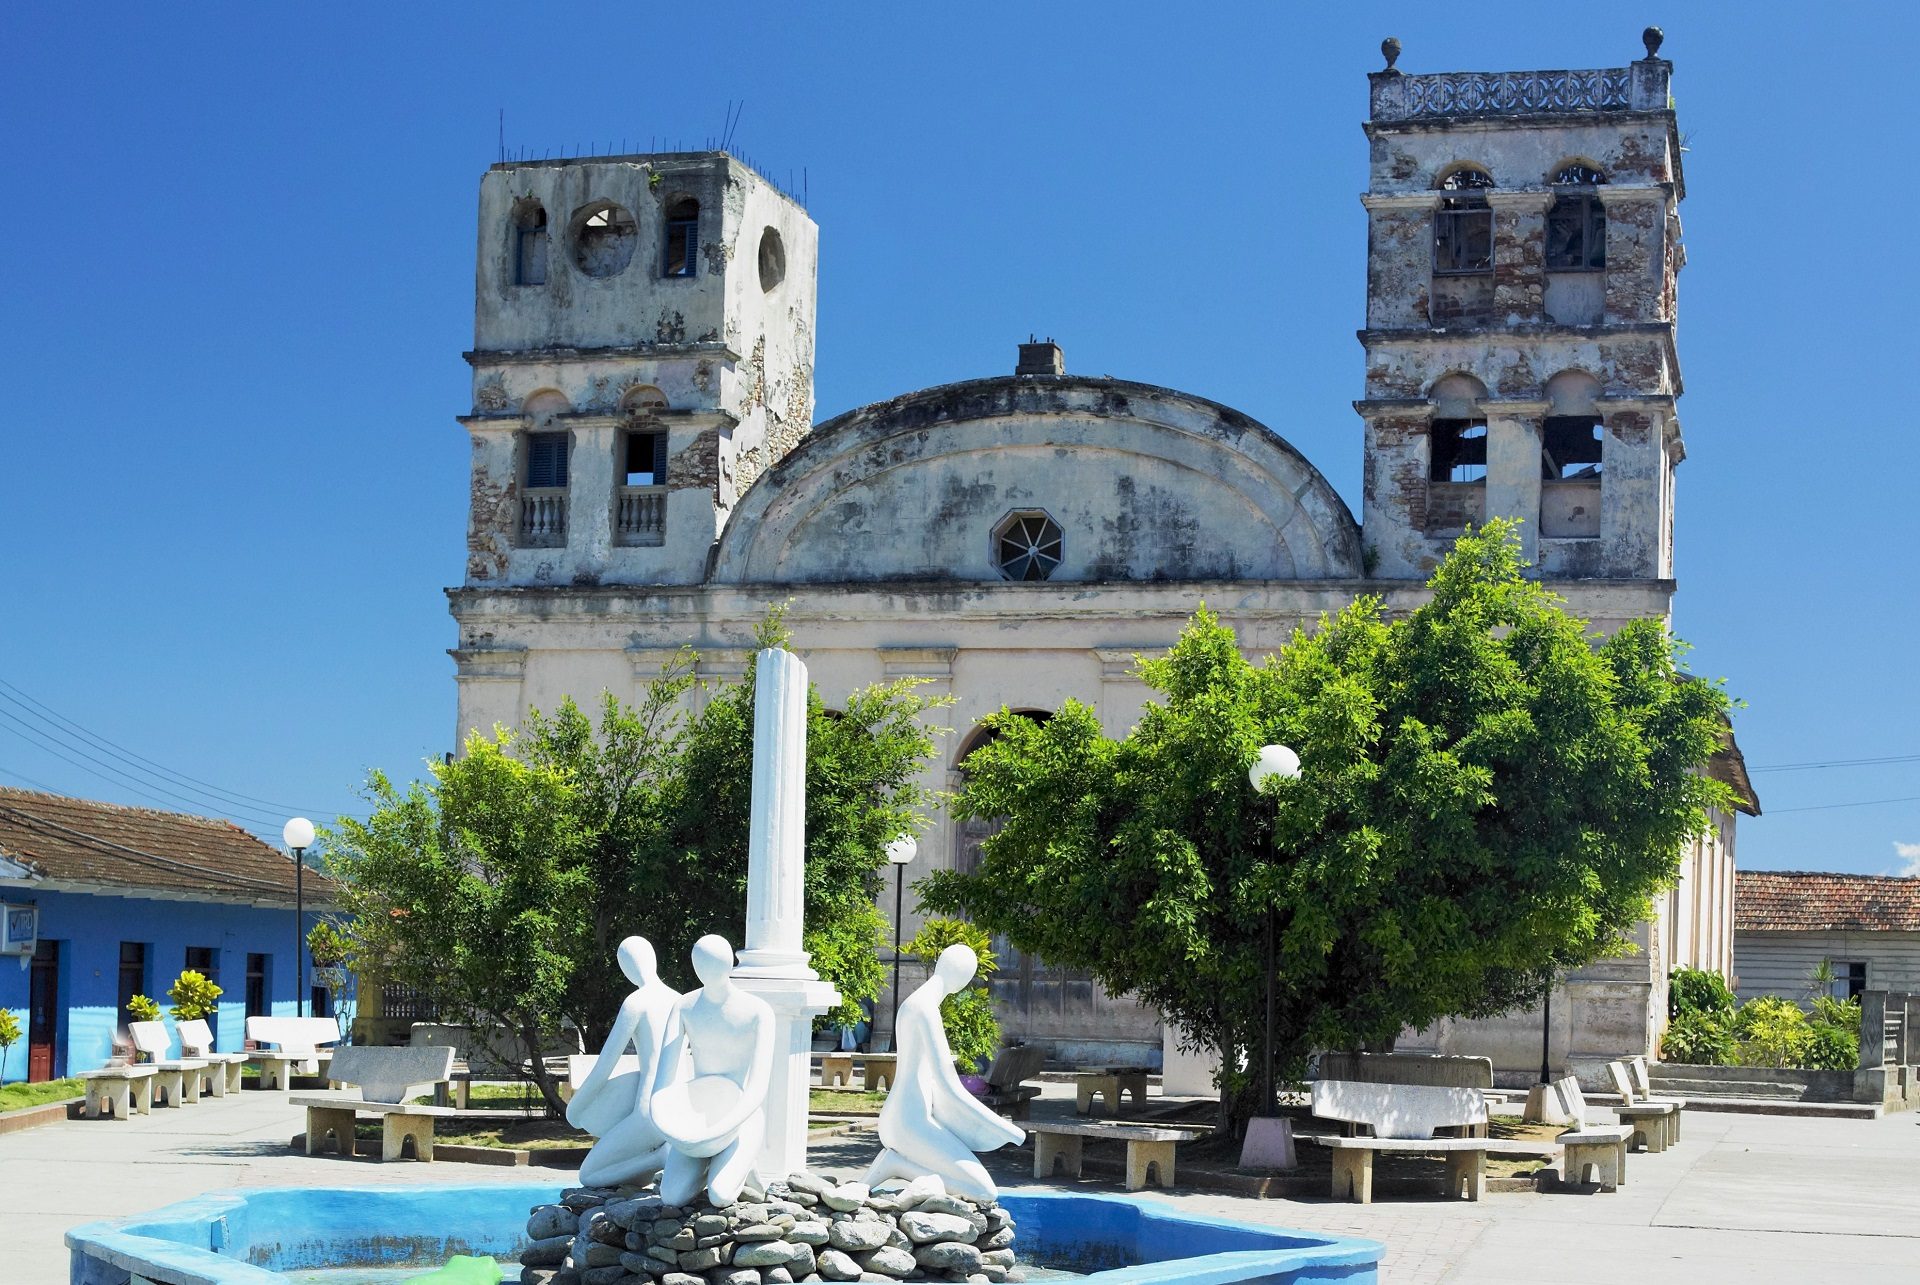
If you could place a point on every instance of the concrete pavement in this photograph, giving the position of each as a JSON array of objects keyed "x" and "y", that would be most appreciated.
[{"x": 1755, "y": 1199}]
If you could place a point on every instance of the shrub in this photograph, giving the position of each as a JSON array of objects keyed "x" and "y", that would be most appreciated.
[
  {"x": 193, "y": 995},
  {"x": 1697, "y": 990},
  {"x": 1843, "y": 1013},
  {"x": 1833, "y": 1048},
  {"x": 142, "y": 1009},
  {"x": 9, "y": 1034},
  {"x": 1772, "y": 1032},
  {"x": 327, "y": 944},
  {"x": 972, "y": 1030},
  {"x": 1699, "y": 1039}
]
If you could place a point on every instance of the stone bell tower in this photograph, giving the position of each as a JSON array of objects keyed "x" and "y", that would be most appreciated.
[
  {"x": 1523, "y": 244},
  {"x": 643, "y": 350}
]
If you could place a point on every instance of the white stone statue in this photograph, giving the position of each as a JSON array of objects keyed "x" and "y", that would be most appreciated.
[
  {"x": 930, "y": 1123},
  {"x": 710, "y": 1095},
  {"x": 615, "y": 1101}
]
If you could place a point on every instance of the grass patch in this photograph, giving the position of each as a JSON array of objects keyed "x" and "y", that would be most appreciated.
[
  {"x": 15, "y": 1096},
  {"x": 845, "y": 1102}
]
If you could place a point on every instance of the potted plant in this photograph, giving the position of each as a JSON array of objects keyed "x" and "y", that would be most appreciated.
[
  {"x": 140, "y": 1008},
  {"x": 329, "y": 949},
  {"x": 194, "y": 996},
  {"x": 9, "y": 1034}
]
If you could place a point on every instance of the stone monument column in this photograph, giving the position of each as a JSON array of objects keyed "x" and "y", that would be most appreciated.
[{"x": 774, "y": 965}]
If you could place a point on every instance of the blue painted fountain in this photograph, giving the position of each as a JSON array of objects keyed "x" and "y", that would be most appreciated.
[{"x": 349, "y": 1235}]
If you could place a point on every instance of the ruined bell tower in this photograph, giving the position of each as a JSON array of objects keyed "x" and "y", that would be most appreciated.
[
  {"x": 643, "y": 349},
  {"x": 1523, "y": 244}
]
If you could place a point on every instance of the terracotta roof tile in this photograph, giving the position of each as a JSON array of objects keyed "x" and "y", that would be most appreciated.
[
  {"x": 1810, "y": 901},
  {"x": 81, "y": 841}
]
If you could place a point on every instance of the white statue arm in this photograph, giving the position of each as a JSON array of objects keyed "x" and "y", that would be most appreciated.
[
  {"x": 672, "y": 1051},
  {"x": 667, "y": 1042},
  {"x": 967, "y": 1117},
  {"x": 753, "y": 1090},
  {"x": 588, "y": 1091}
]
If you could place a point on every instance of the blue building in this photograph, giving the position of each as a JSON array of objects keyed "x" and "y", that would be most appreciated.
[{"x": 103, "y": 902}]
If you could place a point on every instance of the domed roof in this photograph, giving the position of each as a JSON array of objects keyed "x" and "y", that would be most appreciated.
[{"x": 1140, "y": 483}]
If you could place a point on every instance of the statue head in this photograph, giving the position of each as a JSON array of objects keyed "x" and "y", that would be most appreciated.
[
  {"x": 637, "y": 961},
  {"x": 712, "y": 960},
  {"x": 955, "y": 967}
]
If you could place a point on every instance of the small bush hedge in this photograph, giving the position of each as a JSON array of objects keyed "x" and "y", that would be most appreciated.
[{"x": 1709, "y": 1028}]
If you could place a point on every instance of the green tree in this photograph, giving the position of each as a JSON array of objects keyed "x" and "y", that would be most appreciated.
[
  {"x": 1488, "y": 797},
  {"x": 973, "y": 1032},
  {"x": 9, "y": 1036},
  {"x": 503, "y": 886}
]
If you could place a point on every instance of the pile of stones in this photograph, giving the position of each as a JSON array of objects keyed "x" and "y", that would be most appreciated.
[{"x": 804, "y": 1229}]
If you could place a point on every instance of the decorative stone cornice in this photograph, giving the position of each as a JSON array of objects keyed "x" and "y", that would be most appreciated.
[
  {"x": 489, "y": 664},
  {"x": 697, "y": 420},
  {"x": 1512, "y": 408},
  {"x": 1397, "y": 407},
  {"x": 1525, "y": 200},
  {"x": 918, "y": 662},
  {"x": 1117, "y": 663},
  {"x": 535, "y": 356},
  {"x": 1401, "y": 202},
  {"x": 1628, "y": 194},
  {"x": 1660, "y": 403}
]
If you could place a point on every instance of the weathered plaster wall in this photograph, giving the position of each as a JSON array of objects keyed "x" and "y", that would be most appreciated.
[
  {"x": 1146, "y": 484},
  {"x": 730, "y": 351}
]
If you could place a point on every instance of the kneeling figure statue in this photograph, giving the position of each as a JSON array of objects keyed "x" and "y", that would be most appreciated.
[{"x": 710, "y": 1095}]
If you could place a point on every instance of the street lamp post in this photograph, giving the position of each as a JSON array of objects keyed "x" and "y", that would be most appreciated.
[
  {"x": 1276, "y": 763},
  {"x": 901, "y": 853},
  {"x": 298, "y": 835}
]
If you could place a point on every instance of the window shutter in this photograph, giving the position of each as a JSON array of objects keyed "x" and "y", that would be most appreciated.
[
  {"x": 659, "y": 459},
  {"x": 547, "y": 459},
  {"x": 693, "y": 248}
]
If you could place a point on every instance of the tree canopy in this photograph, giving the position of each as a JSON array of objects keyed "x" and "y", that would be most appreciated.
[
  {"x": 503, "y": 885},
  {"x": 1487, "y": 797}
]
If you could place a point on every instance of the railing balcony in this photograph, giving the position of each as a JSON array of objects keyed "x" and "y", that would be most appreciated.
[
  {"x": 543, "y": 518},
  {"x": 640, "y": 515}
]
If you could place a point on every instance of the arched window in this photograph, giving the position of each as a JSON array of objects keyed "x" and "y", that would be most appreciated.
[
  {"x": 603, "y": 239},
  {"x": 1458, "y": 434},
  {"x": 1463, "y": 225},
  {"x": 530, "y": 245},
  {"x": 1577, "y": 221},
  {"x": 683, "y": 238},
  {"x": 1571, "y": 437}
]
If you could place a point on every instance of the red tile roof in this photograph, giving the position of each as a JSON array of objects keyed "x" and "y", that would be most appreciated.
[
  {"x": 80, "y": 841},
  {"x": 1810, "y": 901}
]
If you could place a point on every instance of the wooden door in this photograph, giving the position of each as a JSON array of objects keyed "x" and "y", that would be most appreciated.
[{"x": 43, "y": 1011}]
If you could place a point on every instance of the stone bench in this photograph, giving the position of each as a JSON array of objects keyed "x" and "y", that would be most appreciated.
[
  {"x": 1597, "y": 1149},
  {"x": 298, "y": 1042},
  {"x": 1111, "y": 1081},
  {"x": 179, "y": 1079},
  {"x": 120, "y": 1090},
  {"x": 1656, "y": 1122},
  {"x": 196, "y": 1041},
  {"x": 877, "y": 1071},
  {"x": 1149, "y": 1148},
  {"x": 387, "y": 1077},
  {"x": 334, "y": 1114},
  {"x": 1466, "y": 1158},
  {"x": 836, "y": 1070},
  {"x": 1401, "y": 1110}
]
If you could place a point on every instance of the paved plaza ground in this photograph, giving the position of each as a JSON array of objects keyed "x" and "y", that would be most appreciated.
[{"x": 1746, "y": 1198}]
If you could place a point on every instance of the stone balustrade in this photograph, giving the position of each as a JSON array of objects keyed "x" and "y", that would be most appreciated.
[{"x": 543, "y": 518}]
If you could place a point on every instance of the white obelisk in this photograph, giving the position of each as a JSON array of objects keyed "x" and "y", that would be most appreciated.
[{"x": 773, "y": 964}]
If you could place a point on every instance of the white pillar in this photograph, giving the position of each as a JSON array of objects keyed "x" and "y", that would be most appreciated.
[{"x": 774, "y": 964}]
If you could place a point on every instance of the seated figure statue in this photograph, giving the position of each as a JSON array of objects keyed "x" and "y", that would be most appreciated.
[
  {"x": 614, "y": 1102},
  {"x": 710, "y": 1095},
  {"x": 930, "y": 1123}
]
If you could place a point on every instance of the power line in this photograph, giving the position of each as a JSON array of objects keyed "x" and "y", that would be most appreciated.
[
  {"x": 38, "y": 785},
  {"x": 1826, "y": 807},
  {"x": 73, "y": 730},
  {"x": 1810, "y": 766}
]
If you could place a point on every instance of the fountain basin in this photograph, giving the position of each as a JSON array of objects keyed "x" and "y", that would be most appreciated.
[{"x": 259, "y": 1236}]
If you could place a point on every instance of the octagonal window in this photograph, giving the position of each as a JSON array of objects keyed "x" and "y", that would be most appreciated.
[{"x": 1027, "y": 545}]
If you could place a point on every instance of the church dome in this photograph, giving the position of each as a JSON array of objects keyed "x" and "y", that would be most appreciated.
[{"x": 1056, "y": 478}]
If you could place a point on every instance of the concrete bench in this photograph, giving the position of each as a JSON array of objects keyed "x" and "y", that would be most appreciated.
[
  {"x": 298, "y": 1047},
  {"x": 1149, "y": 1148},
  {"x": 1599, "y": 1150},
  {"x": 1466, "y": 1158},
  {"x": 1656, "y": 1125},
  {"x": 387, "y": 1077},
  {"x": 1090, "y": 1082},
  {"x": 120, "y": 1090},
  {"x": 836, "y": 1070},
  {"x": 1007, "y": 1089},
  {"x": 1401, "y": 1110},
  {"x": 175, "y": 1080},
  {"x": 196, "y": 1041},
  {"x": 877, "y": 1071}
]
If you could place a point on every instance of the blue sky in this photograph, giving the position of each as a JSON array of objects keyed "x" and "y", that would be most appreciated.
[{"x": 240, "y": 268}]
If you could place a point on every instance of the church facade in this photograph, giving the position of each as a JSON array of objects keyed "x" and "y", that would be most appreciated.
[{"x": 646, "y": 474}]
